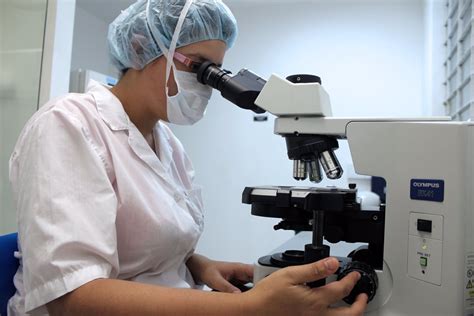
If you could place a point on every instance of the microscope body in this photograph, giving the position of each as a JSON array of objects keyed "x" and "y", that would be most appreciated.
[
  {"x": 419, "y": 253},
  {"x": 429, "y": 217},
  {"x": 423, "y": 255}
]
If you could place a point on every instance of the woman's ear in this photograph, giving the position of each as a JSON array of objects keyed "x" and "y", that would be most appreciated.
[{"x": 156, "y": 73}]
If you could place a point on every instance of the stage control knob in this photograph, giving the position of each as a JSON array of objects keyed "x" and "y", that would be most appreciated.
[{"x": 367, "y": 284}]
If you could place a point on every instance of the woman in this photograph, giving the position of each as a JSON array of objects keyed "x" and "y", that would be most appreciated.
[{"x": 109, "y": 215}]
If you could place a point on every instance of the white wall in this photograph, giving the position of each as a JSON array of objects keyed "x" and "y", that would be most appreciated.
[
  {"x": 370, "y": 55},
  {"x": 90, "y": 43}
]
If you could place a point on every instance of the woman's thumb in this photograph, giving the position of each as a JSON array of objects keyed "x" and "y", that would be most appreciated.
[{"x": 313, "y": 271}]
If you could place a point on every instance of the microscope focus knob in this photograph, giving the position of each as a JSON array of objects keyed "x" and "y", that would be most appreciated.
[{"x": 367, "y": 284}]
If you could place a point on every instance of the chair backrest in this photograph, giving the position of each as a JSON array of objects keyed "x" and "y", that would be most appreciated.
[{"x": 8, "y": 266}]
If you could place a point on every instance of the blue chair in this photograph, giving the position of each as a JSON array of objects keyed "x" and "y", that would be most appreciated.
[{"x": 8, "y": 266}]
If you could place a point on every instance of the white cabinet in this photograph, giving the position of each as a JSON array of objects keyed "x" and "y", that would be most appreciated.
[
  {"x": 22, "y": 25},
  {"x": 35, "y": 57}
]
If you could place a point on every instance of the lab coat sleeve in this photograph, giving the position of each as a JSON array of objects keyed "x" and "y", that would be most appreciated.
[{"x": 66, "y": 208}]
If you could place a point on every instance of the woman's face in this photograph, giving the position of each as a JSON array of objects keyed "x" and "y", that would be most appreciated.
[
  {"x": 212, "y": 50},
  {"x": 154, "y": 75}
]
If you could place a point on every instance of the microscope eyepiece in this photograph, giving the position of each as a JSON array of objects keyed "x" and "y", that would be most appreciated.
[
  {"x": 209, "y": 74},
  {"x": 241, "y": 89}
]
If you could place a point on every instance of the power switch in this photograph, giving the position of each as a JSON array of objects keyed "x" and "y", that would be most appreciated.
[
  {"x": 424, "y": 262},
  {"x": 424, "y": 225}
]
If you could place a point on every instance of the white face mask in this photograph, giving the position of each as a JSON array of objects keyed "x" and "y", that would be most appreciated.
[{"x": 189, "y": 104}]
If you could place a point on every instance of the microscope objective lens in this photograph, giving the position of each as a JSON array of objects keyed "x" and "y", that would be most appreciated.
[
  {"x": 315, "y": 174},
  {"x": 299, "y": 170},
  {"x": 330, "y": 164}
]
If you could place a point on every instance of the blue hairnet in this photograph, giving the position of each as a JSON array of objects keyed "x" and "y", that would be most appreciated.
[{"x": 132, "y": 45}]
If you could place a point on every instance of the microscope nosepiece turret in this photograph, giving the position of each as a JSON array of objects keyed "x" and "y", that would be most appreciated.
[{"x": 309, "y": 153}]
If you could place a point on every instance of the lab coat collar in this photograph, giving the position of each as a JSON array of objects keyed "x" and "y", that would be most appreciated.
[
  {"x": 160, "y": 161},
  {"x": 163, "y": 146},
  {"x": 113, "y": 114},
  {"x": 109, "y": 106}
]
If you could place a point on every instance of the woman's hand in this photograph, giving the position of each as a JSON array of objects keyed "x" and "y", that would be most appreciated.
[
  {"x": 217, "y": 274},
  {"x": 284, "y": 292}
]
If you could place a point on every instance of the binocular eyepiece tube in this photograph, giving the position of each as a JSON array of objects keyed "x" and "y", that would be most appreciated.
[{"x": 241, "y": 89}]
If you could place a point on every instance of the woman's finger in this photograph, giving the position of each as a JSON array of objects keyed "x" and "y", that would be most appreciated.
[
  {"x": 222, "y": 285},
  {"x": 356, "y": 309},
  {"x": 243, "y": 272},
  {"x": 311, "y": 272},
  {"x": 337, "y": 290}
]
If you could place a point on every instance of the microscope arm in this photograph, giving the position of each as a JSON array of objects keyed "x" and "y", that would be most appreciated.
[{"x": 333, "y": 126}]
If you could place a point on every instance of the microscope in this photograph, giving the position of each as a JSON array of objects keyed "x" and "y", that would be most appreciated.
[{"x": 417, "y": 256}]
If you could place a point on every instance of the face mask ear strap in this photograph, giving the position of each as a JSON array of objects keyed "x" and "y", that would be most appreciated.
[
  {"x": 174, "y": 40},
  {"x": 169, "y": 54}
]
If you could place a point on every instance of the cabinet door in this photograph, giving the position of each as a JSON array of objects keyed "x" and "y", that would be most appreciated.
[{"x": 22, "y": 29}]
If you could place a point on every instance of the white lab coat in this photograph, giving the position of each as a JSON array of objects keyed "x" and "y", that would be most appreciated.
[{"x": 94, "y": 201}]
